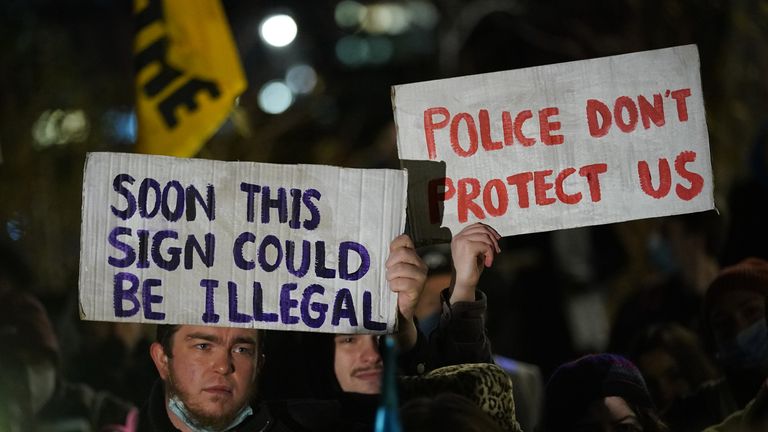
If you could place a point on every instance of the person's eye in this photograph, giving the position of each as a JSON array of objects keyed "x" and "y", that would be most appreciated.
[
  {"x": 345, "y": 340},
  {"x": 245, "y": 350},
  {"x": 203, "y": 346}
]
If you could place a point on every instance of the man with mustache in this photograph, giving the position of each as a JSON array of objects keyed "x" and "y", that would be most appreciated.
[
  {"x": 331, "y": 382},
  {"x": 460, "y": 338},
  {"x": 357, "y": 363}
]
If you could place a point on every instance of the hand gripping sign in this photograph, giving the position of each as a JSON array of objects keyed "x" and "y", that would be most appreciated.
[
  {"x": 560, "y": 146},
  {"x": 192, "y": 241}
]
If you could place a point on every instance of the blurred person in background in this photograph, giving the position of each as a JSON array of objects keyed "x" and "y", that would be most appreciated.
[
  {"x": 34, "y": 393},
  {"x": 748, "y": 345},
  {"x": 735, "y": 331},
  {"x": 735, "y": 313},
  {"x": 673, "y": 363},
  {"x": 599, "y": 392},
  {"x": 112, "y": 356},
  {"x": 753, "y": 418},
  {"x": 683, "y": 251}
]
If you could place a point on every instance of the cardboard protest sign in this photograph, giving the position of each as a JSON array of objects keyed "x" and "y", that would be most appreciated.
[
  {"x": 560, "y": 146},
  {"x": 240, "y": 244}
]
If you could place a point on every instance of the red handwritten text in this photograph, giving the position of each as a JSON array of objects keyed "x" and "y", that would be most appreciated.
[
  {"x": 626, "y": 112},
  {"x": 493, "y": 198},
  {"x": 467, "y": 133}
]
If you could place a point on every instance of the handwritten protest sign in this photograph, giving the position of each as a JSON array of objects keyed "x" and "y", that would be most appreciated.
[
  {"x": 559, "y": 146},
  {"x": 192, "y": 241}
]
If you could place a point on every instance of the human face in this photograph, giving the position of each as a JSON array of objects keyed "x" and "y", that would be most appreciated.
[
  {"x": 212, "y": 371},
  {"x": 610, "y": 414},
  {"x": 357, "y": 363},
  {"x": 735, "y": 312},
  {"x": 664, "y": 377}
]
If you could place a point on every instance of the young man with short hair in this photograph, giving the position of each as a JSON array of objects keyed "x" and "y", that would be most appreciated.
[{"x": 208, "y": 377}]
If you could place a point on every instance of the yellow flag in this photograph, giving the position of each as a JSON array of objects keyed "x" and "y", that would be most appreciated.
[{"x": 188, "y": 74}]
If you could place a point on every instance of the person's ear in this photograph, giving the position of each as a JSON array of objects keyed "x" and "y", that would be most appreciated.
[{"x": 160, "y": 359}]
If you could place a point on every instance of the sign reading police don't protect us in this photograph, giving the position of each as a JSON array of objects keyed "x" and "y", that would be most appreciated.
[
  {"x": 558, "y": 146},
  {"x": 192, "y": 241}
]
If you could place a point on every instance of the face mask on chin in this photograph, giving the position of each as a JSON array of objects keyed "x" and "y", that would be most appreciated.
[
  {"x": 177, "y": 407},
  {"x": 748, "y": 351}
]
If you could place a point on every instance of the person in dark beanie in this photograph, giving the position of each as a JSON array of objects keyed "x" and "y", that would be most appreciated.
[
  {"x": 735, "y": 331},
  {"x": 734, "y": 311},
  {"x": 599, "y": 392}
]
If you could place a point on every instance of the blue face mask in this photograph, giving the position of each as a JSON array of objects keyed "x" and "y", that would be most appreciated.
[
  {"x": 179, "y": 410},
  {"x": 749, "y": 350}
]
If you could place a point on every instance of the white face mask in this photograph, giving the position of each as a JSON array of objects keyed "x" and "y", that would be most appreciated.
[
  {"x": 176, "y": 406},
  {"x": 41, "y": 378}
]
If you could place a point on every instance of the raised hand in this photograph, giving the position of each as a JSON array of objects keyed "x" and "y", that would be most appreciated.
[
  {"x": 406, "y": 274},
  {"x": 472, "y": 249}
]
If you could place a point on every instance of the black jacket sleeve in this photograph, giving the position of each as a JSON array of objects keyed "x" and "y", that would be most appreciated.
[{"x": 461, "y": 336}]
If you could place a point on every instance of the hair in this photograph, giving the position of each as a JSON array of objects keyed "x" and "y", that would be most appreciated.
[
  {"x": 320, "y": 348},
  {"x": 683, "y": 345},
  {"x": 164, "y": 336},
  {"x": 575, "y": 385},
  {"x": 446, "y": 411}
]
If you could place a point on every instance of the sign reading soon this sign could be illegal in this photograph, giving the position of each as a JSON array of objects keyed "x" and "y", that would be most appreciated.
[
  {"x": 558, "y": 146},
  {"x": 192, "y": 241}
]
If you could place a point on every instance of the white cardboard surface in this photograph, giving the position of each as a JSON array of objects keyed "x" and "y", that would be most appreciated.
[
  {"x": 361, "y": 209},
  {"x": 671, "y": 75}
]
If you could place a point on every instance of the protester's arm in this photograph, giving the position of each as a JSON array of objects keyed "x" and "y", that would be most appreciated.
[
  {"x": 472, "y": 249},
  {"x": 406, "y": 274},
  {"x": 461, "y": 336}
]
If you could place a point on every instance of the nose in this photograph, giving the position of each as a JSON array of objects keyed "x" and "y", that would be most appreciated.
[
  {"x": 222, "y": 362},
  {"x": 370, "y": 352}
]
